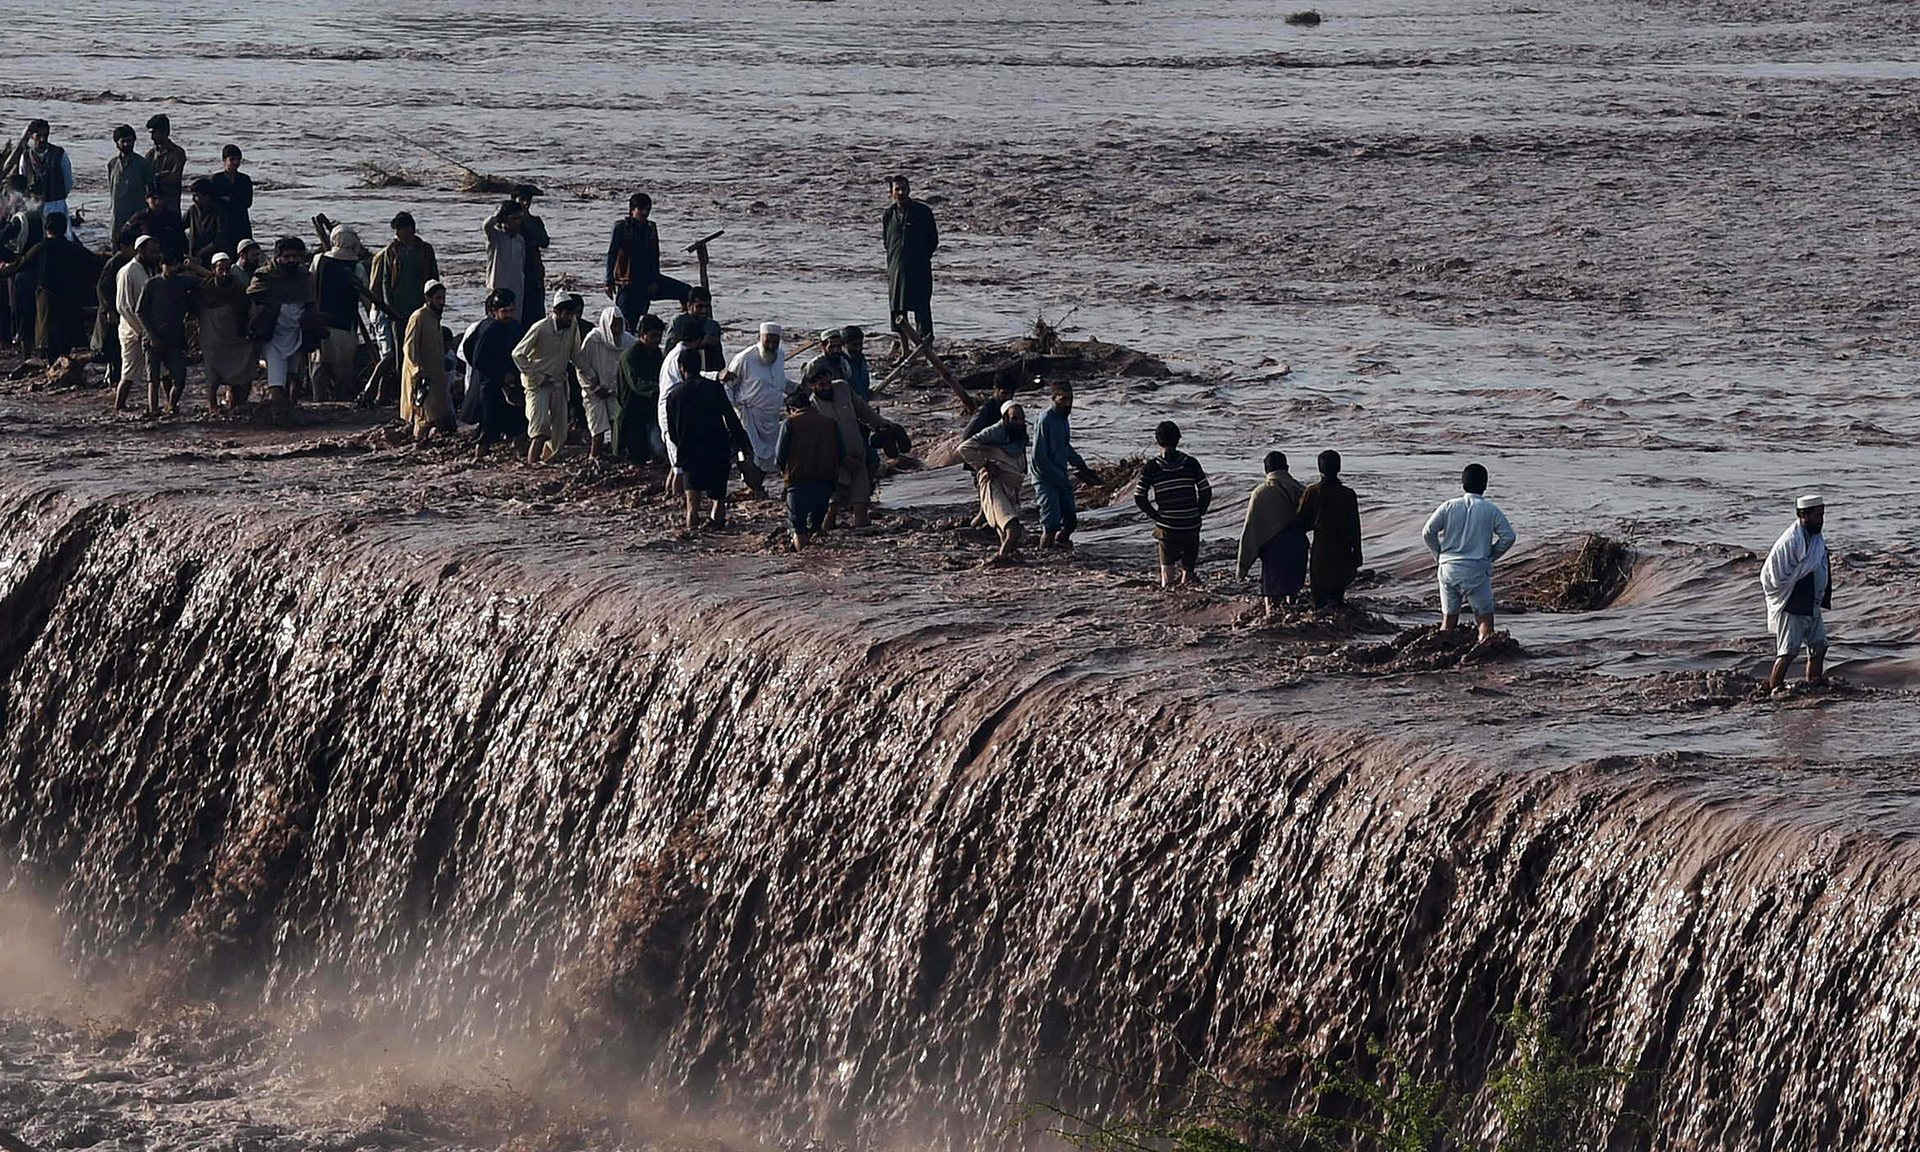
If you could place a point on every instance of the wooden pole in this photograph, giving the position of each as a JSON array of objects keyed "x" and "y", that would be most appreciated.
[{"x": 924, "y": 347}]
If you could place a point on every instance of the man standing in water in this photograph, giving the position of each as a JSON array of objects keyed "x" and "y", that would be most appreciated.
[
  {"x": 911, "y": 237},
  {"x": 1272, "y": 535},
  {"x": 1798, "y": 583},
  {"x": 1466, "y": 535},
  {"x": 1174, "y": 493},
  {"x": 757, "y": 384},
  {"x": 998, "y": 456},
  {"x": 808, "y": 452},
  {"x": 1053, "y": 458},
  {"x": 131, "y": 282},
  {"x": 1330, "y": 510}
]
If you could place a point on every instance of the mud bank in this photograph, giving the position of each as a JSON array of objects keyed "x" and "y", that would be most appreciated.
[{"x": 870, "y": 863}]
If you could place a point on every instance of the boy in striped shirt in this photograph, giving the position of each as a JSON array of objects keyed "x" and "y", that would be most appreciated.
[{"x": 1174, "y": 493}]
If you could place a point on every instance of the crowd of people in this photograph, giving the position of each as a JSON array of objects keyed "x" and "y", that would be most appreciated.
[{"x": 345, "y": 322}]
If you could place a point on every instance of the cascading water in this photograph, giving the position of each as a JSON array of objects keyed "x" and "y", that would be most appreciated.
[{"x": 863, "y": 871}]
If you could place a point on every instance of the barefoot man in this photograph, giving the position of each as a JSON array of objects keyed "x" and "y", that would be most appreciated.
[
  {"x": 1466, "y": 535},
  {"x": 998, "y": 455},
  {"x": 1798, "y": 583}
]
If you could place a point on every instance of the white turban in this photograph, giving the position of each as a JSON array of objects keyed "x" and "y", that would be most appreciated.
[{"x": 772, "y": 329}]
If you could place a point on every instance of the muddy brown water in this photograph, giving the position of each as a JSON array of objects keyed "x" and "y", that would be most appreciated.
[{"x": 884, "y": 845}]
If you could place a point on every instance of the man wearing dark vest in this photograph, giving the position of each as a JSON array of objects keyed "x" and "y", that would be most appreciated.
[
  {"x": 48, "y": 172},
  {"x": 633, "y": 276}
]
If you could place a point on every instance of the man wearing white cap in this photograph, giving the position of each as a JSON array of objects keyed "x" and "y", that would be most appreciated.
[
  {"x": 227, "y": 355},
  {"x": 542, "y": 357},
  {"x": 247, "y": 258},
  {"x": 426, "y": 404},
  {"x": 757, "y": 384},
  {"x": 1798, "y": 583},
  {"x": 126, "y": 301},
  {"x": 832, "y": 354}
]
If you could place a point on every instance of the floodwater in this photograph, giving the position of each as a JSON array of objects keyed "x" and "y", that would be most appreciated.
[{"x": 1650, "y": 262}]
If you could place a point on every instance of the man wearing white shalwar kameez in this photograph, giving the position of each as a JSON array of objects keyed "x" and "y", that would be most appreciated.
[
  {"x": 600, "y": 378},
  {"x": 1797, "y": 581},
  {"x": 757, "y": 384}
]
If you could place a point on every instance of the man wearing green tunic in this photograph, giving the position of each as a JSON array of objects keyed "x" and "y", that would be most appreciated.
[{"x": 398, "y": 282}]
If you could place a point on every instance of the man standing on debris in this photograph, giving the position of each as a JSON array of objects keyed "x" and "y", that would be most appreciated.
[
  {"x": 834, "y": 397},
  {"x": 633, "y": 276},
  {"x": 636, "y": 432},
  {"x": 534, "y": 230},
  {"x": 912, "y": 237},
  {"x": 1330, "y": 510},
  {"x": 1466, "y": 535},
  {"x": 853, "y": 345},
  {"x": 1175, "y": 494},
  {"x": 337, "y": 292},
  {"x": 1053, "y": 456},
  {"x": 1798, "y": 583},
  {"x": 507, "y": 258},
  {"x": 227, "y": 356},
  {"x": 489, "y": 357},
  {"x": 106, "y": 321},
  {"x": 424, "y": 372}
]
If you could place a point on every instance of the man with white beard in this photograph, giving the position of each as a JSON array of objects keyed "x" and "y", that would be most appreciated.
[
  {"x": 1798, "y": 584},
  {"x": 757, "y": 384}
]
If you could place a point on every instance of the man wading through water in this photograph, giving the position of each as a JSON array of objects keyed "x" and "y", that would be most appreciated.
[
  {"x": 1466, "y": 535},
  {"x": 1175, "y": 494},
  {"x": 1798, "y": 583},
  {"x": 708, "y": 436}
]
